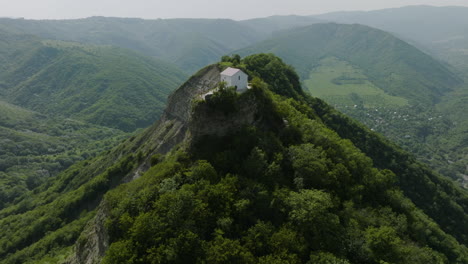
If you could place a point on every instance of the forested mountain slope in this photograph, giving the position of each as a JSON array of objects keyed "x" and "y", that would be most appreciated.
[
  {"x": 260, "y": 171},
  {"x": 272, "y": 24},
  {"x": 103, "y": 85},
  {"x": 442, "y": 30},
  {"x": 63, "y": 102},
  {"x": 388, "y": 62},
  {"x": 193, "y": 43},
  {"x": 188, "y": 43},
  {"x": 35, "y": 147},
  {"x": 384, "y": 82},
  {"x": 266, "y": 176}
]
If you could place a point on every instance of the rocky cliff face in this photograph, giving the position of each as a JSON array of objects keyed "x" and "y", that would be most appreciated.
[
  {"x": 179, "y": 103},
  {"x": 171, "y": 130},
  {"x": 206, "y": 121}
]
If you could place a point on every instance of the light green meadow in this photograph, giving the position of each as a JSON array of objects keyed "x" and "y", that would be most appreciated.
[{"x": 340, "y": 83}]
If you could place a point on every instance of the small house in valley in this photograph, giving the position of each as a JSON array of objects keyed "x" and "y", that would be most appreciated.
[{"x": 235, "y": 77}]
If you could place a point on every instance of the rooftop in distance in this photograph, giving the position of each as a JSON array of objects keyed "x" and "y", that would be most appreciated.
[{"x": 230, "y": 71}]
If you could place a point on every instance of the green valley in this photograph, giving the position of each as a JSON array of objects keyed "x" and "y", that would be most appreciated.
[
  {"x": 441, "y": 31},
  {"x": 272, "y": 179},
  {"x": 350, "y": 145},
  {"x": 340, "y": 83},
  {"x": 188, "y": 43},
  {"x": 388, "y": 62},
  {"x": 87, "y": 82},
  {"x": 382, "y": 81},
  {"x": 34, "y": 148},
  {"x": 64, "y": 102}
]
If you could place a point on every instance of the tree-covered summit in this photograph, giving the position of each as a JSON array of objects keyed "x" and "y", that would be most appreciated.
[
  {"x": 283, "y": 187},
  {"x": 282, "y": 78},
  {"x": 392, "y": 64},
  {"x": 273, "y": 179}
]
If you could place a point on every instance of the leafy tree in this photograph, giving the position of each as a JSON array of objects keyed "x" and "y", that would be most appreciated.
[
  {"x": 310, "y": 166},
  {"x": 224, "y": 98},
  {"x": 325, "y": 258},
  {"x": 224, "y": 250},
  {"x": 281, "y": 78}
]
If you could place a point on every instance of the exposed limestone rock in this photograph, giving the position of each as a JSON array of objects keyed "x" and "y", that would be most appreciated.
[
  {"x": 169, "y": 131},
  {"x": 205, "y": 121}
]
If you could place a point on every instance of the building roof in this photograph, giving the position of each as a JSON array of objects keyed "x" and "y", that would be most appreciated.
[{"x": 230, "y": 71}]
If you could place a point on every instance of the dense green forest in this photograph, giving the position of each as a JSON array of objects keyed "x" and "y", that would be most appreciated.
[
  {"x": 99, "y": 84},
  {"x": 440, "y": 31},
  {"x": 63, "y": 102},
  {"x": 391, "y": 64},
  {"x": 273, "y": 24},
  {"x": 385, "y": 83},
  {"x": 193, "y": 43},
  {"x": 34, "y": 148},
  {"x": 246, "y": 196},
  {"x": 272, "y": 175},
  {"x": 188, "y": 43},
  {"x": 298, "y": 182}
]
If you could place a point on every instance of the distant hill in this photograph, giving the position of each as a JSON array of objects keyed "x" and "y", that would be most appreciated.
[
  {"x": 194, "y": 43},
  {"x": 62, "y": 102},
  {"x": 383, "y": 82},
  {"x": 104, "y": 85},
  {"x": 268, "y": 25},
  {"x": 188, "y": 43},
  {"x": 442, "y": 30},
  {"x": 387, "y": 62}
]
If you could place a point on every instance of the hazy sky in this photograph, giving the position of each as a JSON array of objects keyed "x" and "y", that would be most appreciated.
[{"x": 235, "y": 9}]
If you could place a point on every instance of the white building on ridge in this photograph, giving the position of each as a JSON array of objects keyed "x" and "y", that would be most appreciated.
[{"x": 235, "y": 77}]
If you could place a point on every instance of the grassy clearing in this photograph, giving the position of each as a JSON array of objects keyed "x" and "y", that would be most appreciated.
[{"x": 340, "y": 83}]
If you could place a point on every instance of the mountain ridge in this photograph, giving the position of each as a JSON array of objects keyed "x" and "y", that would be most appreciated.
[
  {"x": 375, "y": 51},
  {"x": 389, "y": 85},
  {"x": 440, "y": 30},
  {"x": 85, "y": 82},
  {"x": 267, "y": 176},
  {"x": 172, "y": 40},
  {"x": 210, "y": 196}
]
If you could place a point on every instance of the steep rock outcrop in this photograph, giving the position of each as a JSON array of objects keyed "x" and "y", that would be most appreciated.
[
  {"x": 207, "y": 121},
  {"x": 169, "y": 131}
]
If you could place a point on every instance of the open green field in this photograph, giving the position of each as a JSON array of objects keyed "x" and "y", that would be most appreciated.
[{"x": 340, "y": 83}]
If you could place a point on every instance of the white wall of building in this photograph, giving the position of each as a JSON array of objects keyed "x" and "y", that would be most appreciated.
[{"x": 239, "y": 80}]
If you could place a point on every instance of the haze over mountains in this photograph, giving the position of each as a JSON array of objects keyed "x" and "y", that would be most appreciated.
[
  {"x": 62, "y": 102},
  {"x": 379, "y": 79},
  {"x": 391, "y": 64},
  {"x": 85, "y": 82},
  {"x": 188, "y": 43},
  {"x": 193, "y": 43},
  {"x": 211, "y": 174},
  {"x": 216, "y": 173},
  {"x": 441, "y": 30}
]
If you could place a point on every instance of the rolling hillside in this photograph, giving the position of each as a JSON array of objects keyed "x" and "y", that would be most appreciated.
[
  {"x": 384, "y": 82},
  {"x": 392, "y": 65},
  {"x": 188, "y": 43},
  {"x": 34, "y": 148},
  {"x": 103, "y": 85},
  {"x": 272, "y": 175},
  {"x": 63, "y": 102},
  {"x": 293, "y": 181},
  {"x": 441, "y": 30},
  {"x": 269, "y": 25}
]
